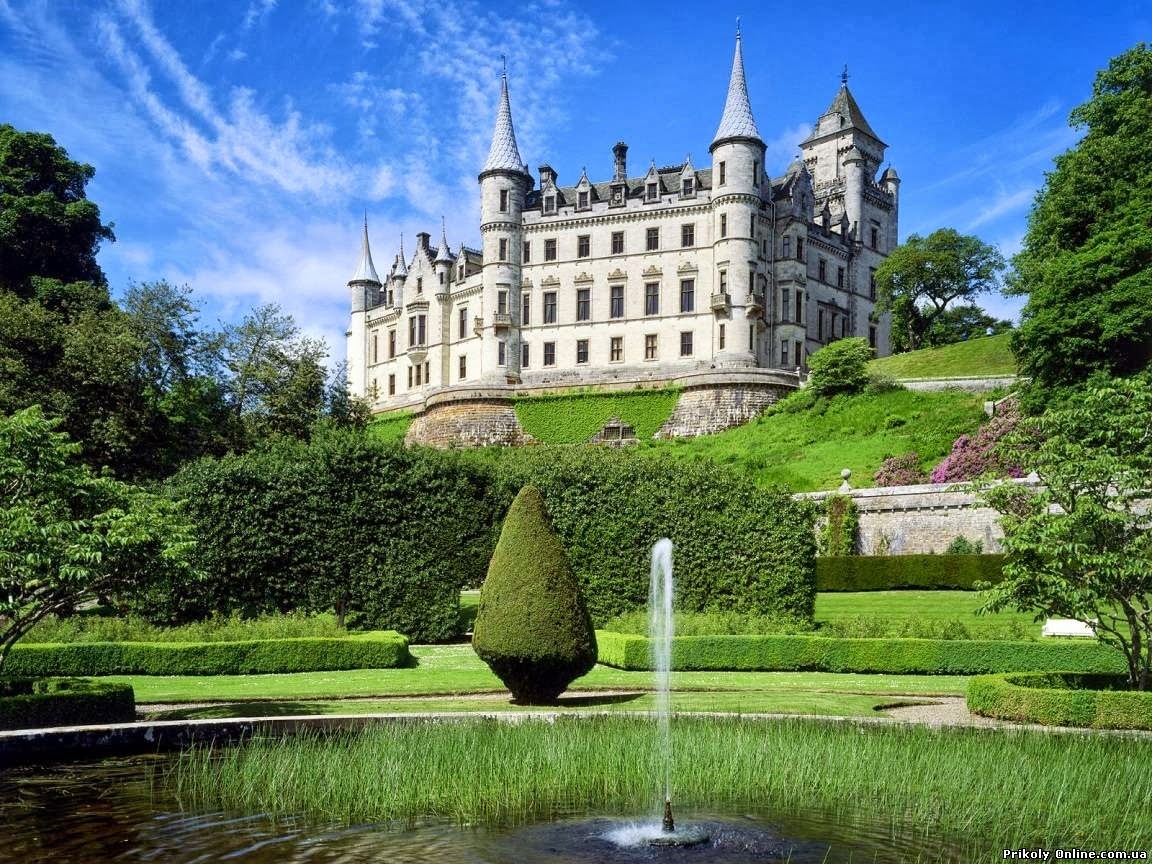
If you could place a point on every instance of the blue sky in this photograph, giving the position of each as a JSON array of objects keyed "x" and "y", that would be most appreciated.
[{"x": 238, "y": 144}]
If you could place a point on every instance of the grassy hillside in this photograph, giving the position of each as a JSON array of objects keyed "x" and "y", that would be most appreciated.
[
  {"x": 390, "y": 427},
  {"x": 573, "y": 419},
  {"x": 806, "y": 450},
  {"x": 989, "y": 355}
]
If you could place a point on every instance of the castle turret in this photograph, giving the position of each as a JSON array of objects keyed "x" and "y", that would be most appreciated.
[
  {"x": 364, "y": 287},
  {"x": 504, "y": 183},
  {"x": 737, "y": 173},
  {"x": 891, "y": 183}
]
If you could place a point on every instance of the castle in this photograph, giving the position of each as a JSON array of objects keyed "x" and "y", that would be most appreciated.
[{"x": 642, "y": 278}]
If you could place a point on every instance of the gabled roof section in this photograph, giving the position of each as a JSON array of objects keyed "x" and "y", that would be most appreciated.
[
  {"x": 366, "y": 272},
  {"x": 737, "y": 120},
  {"x": 504, "y": 155},
  {"x": 842, "y": 115}
]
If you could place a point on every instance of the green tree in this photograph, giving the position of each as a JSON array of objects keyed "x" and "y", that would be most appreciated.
[
  {"x": 1081, "y": 546},
  {"x": 921, "y": 277},
  {"x": 1086, "y": 261},
  {"x": 532, "y": 627},
  {"x": 967, "y": 321},
  {"x": 840, "y": 367},
  {"x": 68, "y": 536}
]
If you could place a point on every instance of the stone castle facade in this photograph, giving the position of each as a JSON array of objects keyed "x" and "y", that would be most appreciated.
[{"x": 683, "y": 269}]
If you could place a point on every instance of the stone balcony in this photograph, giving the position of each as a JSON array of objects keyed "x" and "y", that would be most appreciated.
[
  {"x": 721, "y": 302},
  {"x": 501, "y": 321}
]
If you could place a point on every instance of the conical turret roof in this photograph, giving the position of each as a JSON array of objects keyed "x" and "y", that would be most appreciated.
[
  {"x": 842, "y": 115},
  {"x": 401, "y": 268},
  {"x": 443, "y": 254},
  {"x": 366, "y": 272},
  {"x": 737, "y": 120},
  {"x": 504, "y": 155}
]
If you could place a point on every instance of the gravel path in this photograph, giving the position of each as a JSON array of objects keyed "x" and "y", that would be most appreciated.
[{"x": 942, "y": 711}]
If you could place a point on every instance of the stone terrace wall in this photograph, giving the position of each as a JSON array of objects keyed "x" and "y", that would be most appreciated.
[
  {"x": 722, "y": 400},
  {"x": 478, "y": 418},
  {"x": 917, "y": 519}
]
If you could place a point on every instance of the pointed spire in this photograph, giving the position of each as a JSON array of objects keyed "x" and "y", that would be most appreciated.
[
  {"x": 503, "y": 154},
  {"x": 443, "y": 254},
  {"x": 366, "y": 272},
  {"x": 401, "y": 268},
  {"x": 737, "y": 120},
  {"x": 842, "y": 115}
]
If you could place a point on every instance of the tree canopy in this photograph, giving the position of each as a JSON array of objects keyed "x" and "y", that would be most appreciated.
[
  {"x": 1086, "y": 261},
  {"x": 923, "y": 276}
]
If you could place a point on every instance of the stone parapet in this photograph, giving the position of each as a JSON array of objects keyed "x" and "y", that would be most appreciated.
[{"x": 468, "y": 417}]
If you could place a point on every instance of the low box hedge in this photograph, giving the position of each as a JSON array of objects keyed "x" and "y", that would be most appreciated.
[
  {"x": 1061, "y": 699},
  {"x": 384, "y": 649},
  {"x": 770, "y": 653},
  {"x": 34, "y": 704},
  {"x": 890, "y": 572}
]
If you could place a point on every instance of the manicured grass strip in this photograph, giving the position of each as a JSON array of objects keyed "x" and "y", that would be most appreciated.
[
  {"x": 900, "y": 656},
  {"x": 455, "y": 669},
  {"x": 747, "y": 702},
  {"x": 987, "y": 789},
  {"x": 894, "y": 607},
  {"x": 29, "y": 704},
  {"x": 806, "y": 450},
  {"x": 383, "y": 649},
  {"x": 572, "y": 419},
  {"x": 988, "y": 356},
  {"x": 1061, "y": 699}
]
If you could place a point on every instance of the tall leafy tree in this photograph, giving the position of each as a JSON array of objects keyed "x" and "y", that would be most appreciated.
[
  {"x": 921, "y": 278},
  {"x": 1086, "y": 261}
]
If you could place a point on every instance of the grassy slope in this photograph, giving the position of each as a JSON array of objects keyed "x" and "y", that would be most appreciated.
[
  {"x": 938, "y": 605},
  {"x": 573, "y": 419},
  {"x": 990, "y": 355},
  {"x": 390, "y": 427},
  {"x": 805, "y": 451}
]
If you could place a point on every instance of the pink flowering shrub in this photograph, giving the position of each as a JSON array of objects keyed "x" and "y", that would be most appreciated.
[
  {"x": 900, "y": 471},
  {"x": 975, "y": 455}
]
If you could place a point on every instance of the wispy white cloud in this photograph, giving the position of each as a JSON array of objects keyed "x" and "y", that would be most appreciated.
[
  {"x": 783, "y": 147},
  {"x": 258, "y": 10},
  {"x": 1004, "y": 202}
]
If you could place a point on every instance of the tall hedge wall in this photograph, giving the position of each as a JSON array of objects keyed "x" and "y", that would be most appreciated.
[
  {"x": 28, "y": 704},
  {"x": 737, "y": 547},
  {"x": 889, "y": 572},
  {"x": 384, "y": 534}
]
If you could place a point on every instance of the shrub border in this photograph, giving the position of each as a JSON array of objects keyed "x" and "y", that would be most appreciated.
[
  {"x": 773, "y": 653},
  {"x": 894, "y": 572},
  {"x": 68, "y": 702},
  {"x": 383, "y": 649},
  {"x": 1059, "y": 699}
]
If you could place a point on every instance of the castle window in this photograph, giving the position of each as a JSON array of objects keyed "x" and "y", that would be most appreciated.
[
  {"x": 526, "y": 251},
  {"x": 687, "y": 235},
  {"x": 583, "y": 304},
  {"x": 441, "y": 275},
  {"x": 526, "y": 310},
  {"x": 751, "y": 281},
  {"x": 875, "y": 238},
  {"x": 839, "y": 277},
  {"x": 650, "y": 346},
  {"x": 755, "y": 173},
  {"x": 723, "y": 281},
  {"x": 419, "y": 284},
  {"x": 549, "y": 353},
  {"x": 872, "y": 283},
  {"x": 549, "y": 203},
  {"x": 419, "y": 372},
  {"x": 391, "y": 385},
  {"x": 721, "y": 340},
  {"x": 786, "y": 247},
  {"x": 503, "y": 254},
  {"x": 583, "y": 246},
  {"x": 581, "y": 350},
  {"x": 524, "y": 355},
  {"x": 822, "y": 270},
  {"x": 501, "y": 302},
  {"x": 652, "y": 239},
  {"x": 460, "y": 277},
  {"x": 549, "y": 307},
  {"x": 784, "y": 296},
  {"x": 411, "y": 332},
  {"x": 421, "y": 329},
  {"x": 799, "y": 353},
  {"x": 616, "y": 305},
  {"x": 463, "y": 372},
  {"x": 409, "y": 377},
  {"x": 687, "y": 295},
  {"x": 872, "y": 337},
  {"x": 427, "y": 373},
  {"x": 617, "y": 242},
  {"x": 723, "y": 224},
  {"x": 820, "y": 325},
  {"x": 391, "y": 298},
  {"x": 652, "y": 191},
  {"x": 686, "y": 343},
  {"x": 752, "y": 226},
  {"x": 783, "y": 352},
  {"x": 500, "y": 352},
  {"x": 652, "y": 298},
  {"x": 391, "y": 343},
  {"x": 503, "y": 200},
  {"x": 582, "y": 199},
  {"x": 375, "y": 348},
  {"x": 463, "y": 322},
  {"x": 800, "y": 249},
  {"x": 799, "y": 307},
  {"x": 722, "y": 174},
  {"x": 550, "y": 250},
  {"x": 616, "y": 349},
  {"x": 687, "y": 187}
]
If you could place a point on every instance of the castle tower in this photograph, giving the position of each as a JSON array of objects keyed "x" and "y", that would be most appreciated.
[
  {"x": 364, "y": 287},
  {"x": 737, "y": 175},
  {"x": 504, "y": 183},
  {"x": 397, "y": 278}
]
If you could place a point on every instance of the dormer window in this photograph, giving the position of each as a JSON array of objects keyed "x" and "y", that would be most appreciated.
[
  {"x": 582, "y": 199},
  {"x": 687, "y": 187},
  {"x": 617, "y": 196},
  {"x": 549, "y": 203},
  {"x": 651, "y": 191}
]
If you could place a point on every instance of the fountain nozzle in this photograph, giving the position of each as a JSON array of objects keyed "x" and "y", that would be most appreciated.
[{"x": 668, "y": 826}]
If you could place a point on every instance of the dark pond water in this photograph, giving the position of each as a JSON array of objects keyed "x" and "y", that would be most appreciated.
[{"x": 113, "y": 811}]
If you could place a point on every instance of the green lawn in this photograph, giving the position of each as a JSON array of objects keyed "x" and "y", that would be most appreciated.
[
  {"x": 989, "y": 355},
  {"x": 805, "y": 451},
  {"x": 935, "y": 605}
]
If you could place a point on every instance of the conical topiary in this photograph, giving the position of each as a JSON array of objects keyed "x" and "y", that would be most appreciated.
[{"x": 533, "y": 628}]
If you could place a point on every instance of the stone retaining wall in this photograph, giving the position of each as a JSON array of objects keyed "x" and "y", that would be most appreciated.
[{"x": 981, "y": 384}]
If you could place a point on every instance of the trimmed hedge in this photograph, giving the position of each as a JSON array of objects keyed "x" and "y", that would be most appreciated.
[
  {"x": 1061, "y": 699},
  {"x": 768, "y": 653},
  {"x": 888, "y": 572},
  {"x": 379, "y": 650},
  {"x": 28, "y": 704}
]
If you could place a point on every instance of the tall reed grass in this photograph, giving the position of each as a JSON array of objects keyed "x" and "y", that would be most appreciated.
[{"x": 990, "y": 788}]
